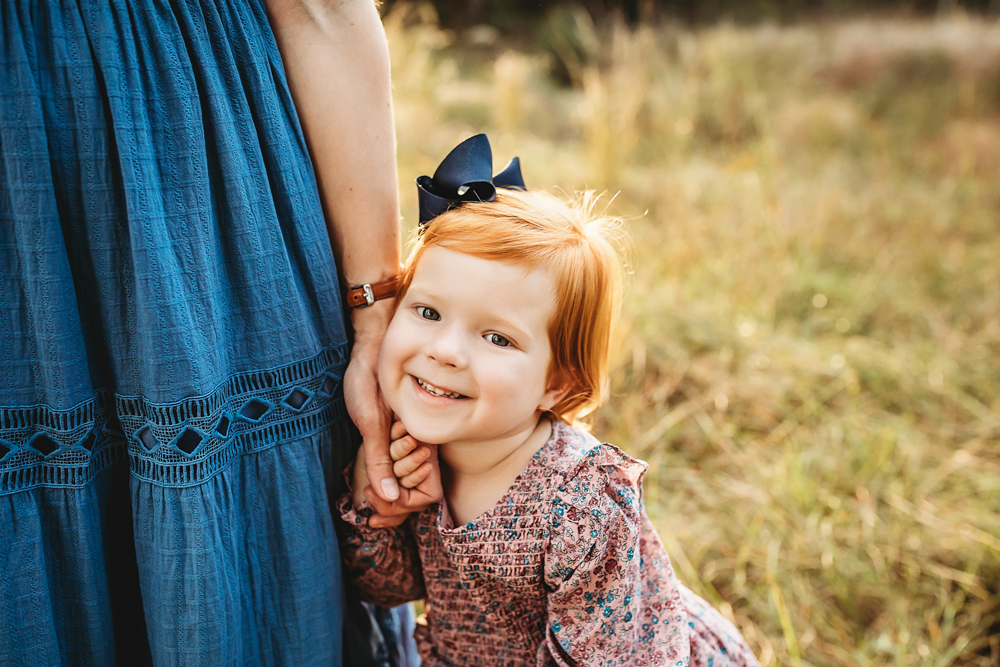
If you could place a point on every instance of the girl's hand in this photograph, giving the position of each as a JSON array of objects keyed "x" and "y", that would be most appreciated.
[
  {"x": 412, "y": 463},
  {"x": 416, "y": 468}
]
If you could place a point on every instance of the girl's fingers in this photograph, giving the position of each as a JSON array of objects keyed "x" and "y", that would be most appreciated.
[
  {"x": 408, "y": 464},
  {"x": 401, "y": 448},
  {"x": 417, "y": 477},
  {"x": 397, "y": 430}
]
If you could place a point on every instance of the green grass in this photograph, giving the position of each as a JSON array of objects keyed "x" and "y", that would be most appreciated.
[{"x": 809, "y": 355}]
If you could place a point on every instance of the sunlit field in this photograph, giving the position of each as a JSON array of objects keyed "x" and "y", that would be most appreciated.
[{"x": 809, "y": 353}]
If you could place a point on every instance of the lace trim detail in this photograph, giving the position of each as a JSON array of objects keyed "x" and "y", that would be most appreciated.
[{"x": 171, "y": 444}]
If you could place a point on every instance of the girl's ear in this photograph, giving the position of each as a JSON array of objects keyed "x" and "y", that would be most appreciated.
[{"x": 556, "y": 392}]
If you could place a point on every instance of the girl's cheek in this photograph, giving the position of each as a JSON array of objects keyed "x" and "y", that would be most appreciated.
[{"x": 387, "y": 363}]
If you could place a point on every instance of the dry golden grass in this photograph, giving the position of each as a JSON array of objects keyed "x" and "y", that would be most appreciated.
[{"x": 810, "y": 356}]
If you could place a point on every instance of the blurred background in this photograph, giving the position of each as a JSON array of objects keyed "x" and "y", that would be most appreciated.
[{"x": 809, "y": 354}]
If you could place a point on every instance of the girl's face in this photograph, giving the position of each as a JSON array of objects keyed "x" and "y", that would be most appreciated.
[{"x": 466, "y": 355}]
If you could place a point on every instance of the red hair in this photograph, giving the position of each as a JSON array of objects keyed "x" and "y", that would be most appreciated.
[{"x": 577, "y": 248}]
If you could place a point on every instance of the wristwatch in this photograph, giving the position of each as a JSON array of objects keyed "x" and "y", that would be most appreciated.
[{"x": 365, "y": 295}]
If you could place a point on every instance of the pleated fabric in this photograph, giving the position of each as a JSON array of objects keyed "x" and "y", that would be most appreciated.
[{"x": 171, "y": 344}]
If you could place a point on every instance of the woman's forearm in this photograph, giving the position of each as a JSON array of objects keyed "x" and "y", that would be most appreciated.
[{"x": 337, "y": 62}]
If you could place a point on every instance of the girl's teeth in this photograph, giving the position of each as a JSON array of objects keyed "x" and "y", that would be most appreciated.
[{"x": 437, "y": 392}]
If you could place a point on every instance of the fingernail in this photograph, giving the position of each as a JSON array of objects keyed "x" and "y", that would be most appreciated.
[{"x": 389, "y": 489}]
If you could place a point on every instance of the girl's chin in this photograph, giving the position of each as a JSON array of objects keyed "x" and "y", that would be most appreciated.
[{"x": 425, "y": 433}]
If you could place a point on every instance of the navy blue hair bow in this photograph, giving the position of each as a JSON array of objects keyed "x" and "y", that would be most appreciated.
[{"x": 465, "y": 175}]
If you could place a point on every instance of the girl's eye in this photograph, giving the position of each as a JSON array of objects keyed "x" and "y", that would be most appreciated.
[
  {"x": 428, "y": 313},
  {"x": 497, "y": 340}
]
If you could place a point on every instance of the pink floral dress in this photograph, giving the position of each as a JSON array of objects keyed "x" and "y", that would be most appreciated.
[{"x": 565, "y": 569}]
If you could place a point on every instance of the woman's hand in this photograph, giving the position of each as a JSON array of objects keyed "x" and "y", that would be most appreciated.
[
  {"x": 361, "y": 395},
  {"x": 415, "y": 465}
]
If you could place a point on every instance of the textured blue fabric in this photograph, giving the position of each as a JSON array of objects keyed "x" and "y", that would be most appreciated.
[{"x": 171, "y": 344}]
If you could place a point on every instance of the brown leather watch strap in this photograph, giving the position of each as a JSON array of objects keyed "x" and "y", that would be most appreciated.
[{"x": 367, "y": 294}]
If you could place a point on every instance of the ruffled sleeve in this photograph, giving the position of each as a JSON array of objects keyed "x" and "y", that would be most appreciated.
[
  {"x": 382, "y": 563},
  {"x": 599, "y": 604}
]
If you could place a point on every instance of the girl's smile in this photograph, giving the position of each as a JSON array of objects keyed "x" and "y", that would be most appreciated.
[
  {"x": 437, "y": 392},
  {"x": 466, "y": 356}
]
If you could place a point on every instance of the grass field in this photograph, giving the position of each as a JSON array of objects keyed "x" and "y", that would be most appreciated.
[{"x": 810, "y": 348}]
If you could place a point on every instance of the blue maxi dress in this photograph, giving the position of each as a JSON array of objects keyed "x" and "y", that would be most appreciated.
[{"x": 171, "y": 344}]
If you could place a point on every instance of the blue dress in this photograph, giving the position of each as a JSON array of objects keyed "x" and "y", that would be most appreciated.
[{"x": 171, "y": 344}]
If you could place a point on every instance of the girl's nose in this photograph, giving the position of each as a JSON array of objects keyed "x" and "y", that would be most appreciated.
[{"x": 449, "y": 348}]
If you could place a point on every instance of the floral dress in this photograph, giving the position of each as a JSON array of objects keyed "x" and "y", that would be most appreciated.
[{"x": 565, "y": 569}]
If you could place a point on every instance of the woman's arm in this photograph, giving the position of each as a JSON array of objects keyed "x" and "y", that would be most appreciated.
[{"x": 337, "y": 62}]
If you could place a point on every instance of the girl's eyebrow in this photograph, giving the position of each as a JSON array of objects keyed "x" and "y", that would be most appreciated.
[
  {"x": 418, "y": 290},
  {"x": 515, "y": 330}
]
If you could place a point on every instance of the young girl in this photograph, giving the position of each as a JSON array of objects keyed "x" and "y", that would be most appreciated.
[{"x": 541, "y": 552}]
